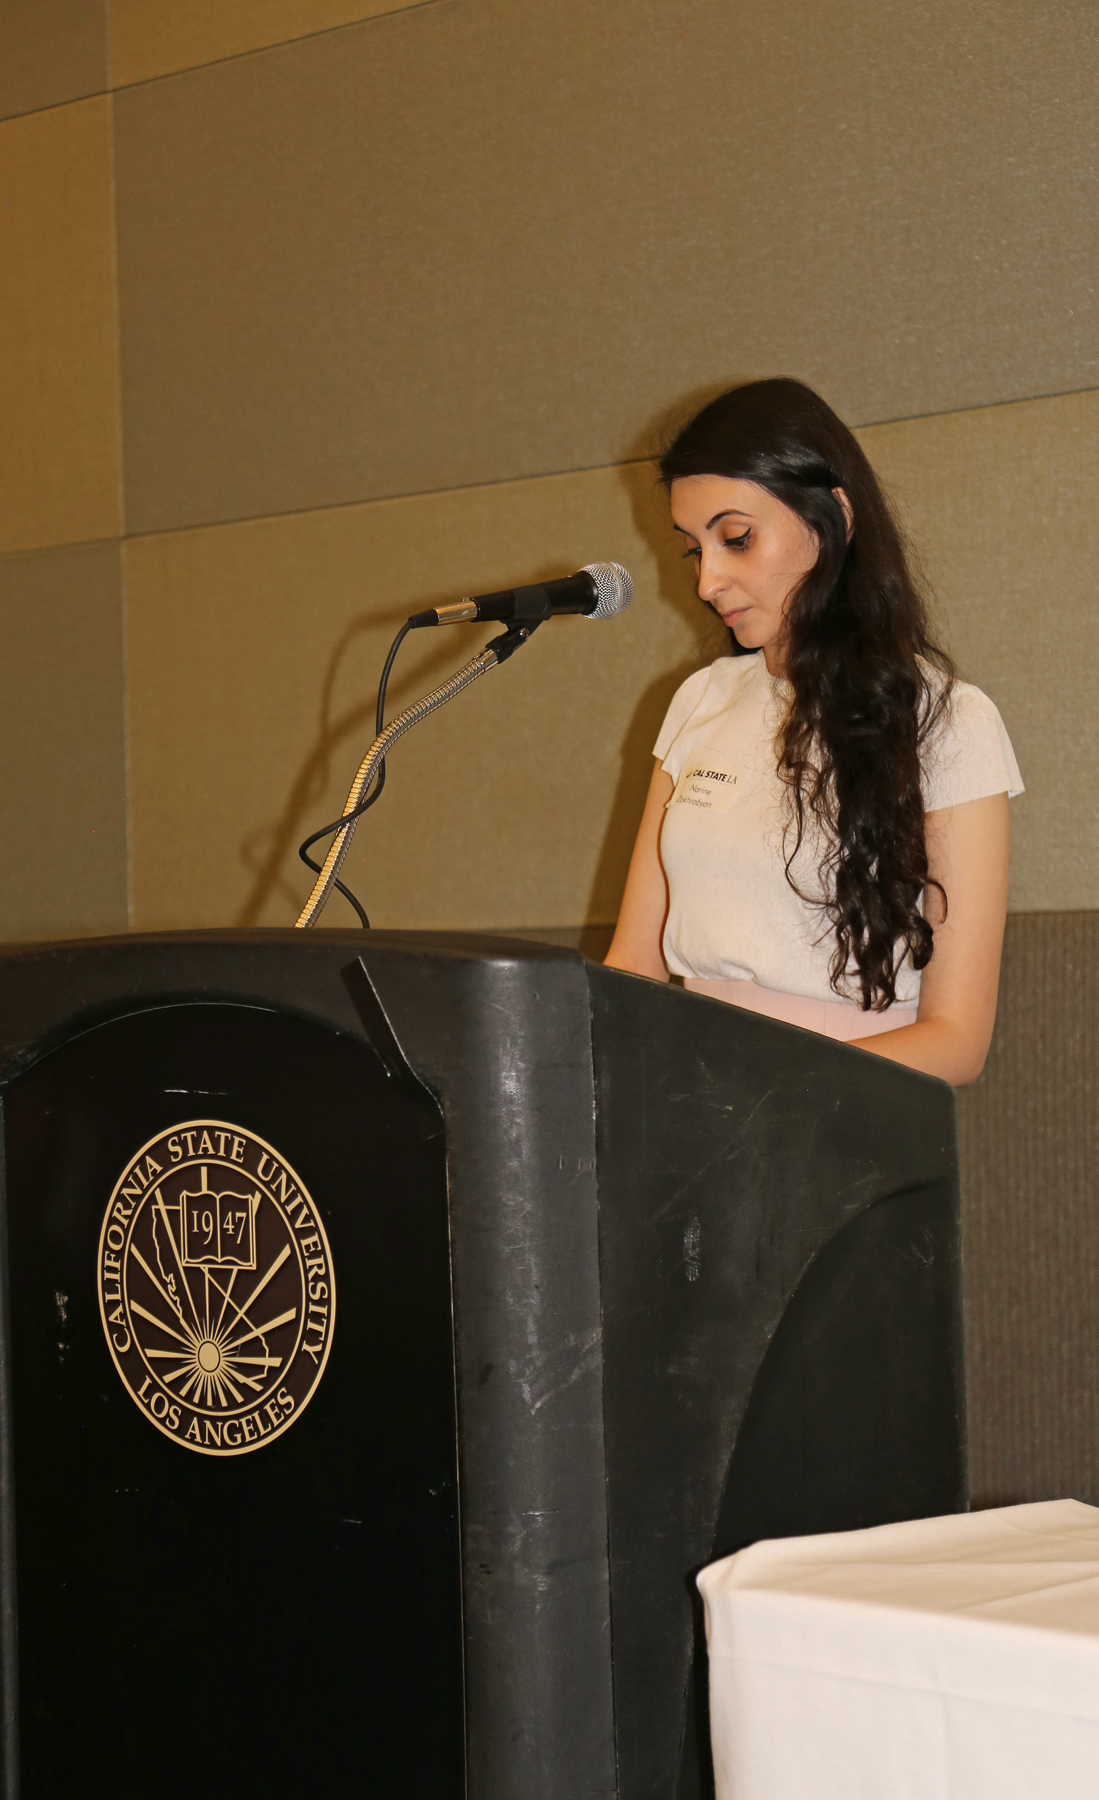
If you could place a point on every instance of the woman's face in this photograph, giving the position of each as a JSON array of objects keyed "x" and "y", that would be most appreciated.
[{"x": 750, "y": 552}]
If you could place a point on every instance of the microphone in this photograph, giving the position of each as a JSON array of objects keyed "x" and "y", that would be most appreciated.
[{"x": 598, "y": 591}]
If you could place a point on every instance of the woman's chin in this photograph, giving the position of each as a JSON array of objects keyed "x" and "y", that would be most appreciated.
[{"x": 744, "y": 635}]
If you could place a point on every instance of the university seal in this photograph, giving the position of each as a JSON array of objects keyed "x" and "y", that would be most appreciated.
[{"x": 216, "y": 1288}]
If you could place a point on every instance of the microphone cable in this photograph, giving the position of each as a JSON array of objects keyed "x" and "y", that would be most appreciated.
[{"x": 376, "y": 786}]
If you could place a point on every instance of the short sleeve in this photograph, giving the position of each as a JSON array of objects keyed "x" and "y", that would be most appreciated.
[
  {"x": 969, "y": 756},
  {"x": 684, "y": 701}
]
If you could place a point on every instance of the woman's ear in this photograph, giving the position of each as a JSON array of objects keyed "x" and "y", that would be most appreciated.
[{"x": 846, "y": 509}]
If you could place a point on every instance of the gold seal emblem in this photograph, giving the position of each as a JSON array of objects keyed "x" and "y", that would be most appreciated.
[{"x": 216, "y": 1288}]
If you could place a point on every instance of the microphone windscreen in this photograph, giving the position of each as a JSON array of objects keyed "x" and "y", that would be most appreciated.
[{"x": 615, "y": 589}]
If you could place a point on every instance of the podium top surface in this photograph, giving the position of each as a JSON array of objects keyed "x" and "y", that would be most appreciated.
[{"x": 48, "y": 990}]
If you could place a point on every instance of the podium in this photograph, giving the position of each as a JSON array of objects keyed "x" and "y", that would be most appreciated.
[{"x": 392, "y": 1324}]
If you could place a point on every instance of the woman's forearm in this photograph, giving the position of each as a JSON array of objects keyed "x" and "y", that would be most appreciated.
[
  {"x": 938, "y": 1046},
  {"x": 637, "y": 943},
  {"x": 642, "y": 958}
]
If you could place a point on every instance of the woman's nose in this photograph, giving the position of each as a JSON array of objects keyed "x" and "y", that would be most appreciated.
[{"x": 711, "y": 579}]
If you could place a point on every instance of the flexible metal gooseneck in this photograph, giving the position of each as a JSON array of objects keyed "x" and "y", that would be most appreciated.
[{"x": 383, "y": 743}]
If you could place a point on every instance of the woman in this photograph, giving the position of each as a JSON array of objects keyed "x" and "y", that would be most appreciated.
[{"x": 826, "y": 834}]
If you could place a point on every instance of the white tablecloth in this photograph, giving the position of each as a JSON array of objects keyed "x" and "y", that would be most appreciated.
[{"x": 940, "y": 1659}]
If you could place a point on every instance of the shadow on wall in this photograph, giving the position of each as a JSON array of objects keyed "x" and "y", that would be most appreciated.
[{"x": 675, "y": 588}]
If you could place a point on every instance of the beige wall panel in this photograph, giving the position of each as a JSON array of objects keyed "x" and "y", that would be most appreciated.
[
  {"x": 149, "y": 38},
  {"x": 1001, "y": 504},
  {"x": 62, "y": 802},
  {"x": 1030, "y": 1222},
  {"x": 254, "y": 652},
  {"x": 59, "y": 453},
  {"x": 471, "y": 242},
  {"x": 51, "y": 51}
]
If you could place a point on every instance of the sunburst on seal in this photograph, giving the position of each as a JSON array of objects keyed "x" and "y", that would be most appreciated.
[{"x": 211, "y": 1359}]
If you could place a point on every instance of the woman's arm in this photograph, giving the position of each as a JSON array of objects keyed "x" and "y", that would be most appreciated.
[
  {"x": 636, "y": 945},
  {"x": 967, "y": 853}
]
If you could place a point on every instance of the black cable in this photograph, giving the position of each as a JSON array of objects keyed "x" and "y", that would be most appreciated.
[
  {"x": 376, "y": 785},
  {"x": 387, "y": 670}
]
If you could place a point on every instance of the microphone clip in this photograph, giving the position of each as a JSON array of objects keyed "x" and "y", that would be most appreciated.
[{"x": 511, "y": 640}]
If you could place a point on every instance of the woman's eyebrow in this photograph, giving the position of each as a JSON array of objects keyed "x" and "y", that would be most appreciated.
[{"x": 731, "y": 512}]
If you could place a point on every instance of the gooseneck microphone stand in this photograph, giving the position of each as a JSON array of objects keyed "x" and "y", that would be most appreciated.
[
  {"x": 597, "y": 591},
  {"x": 490, "y": 657}
]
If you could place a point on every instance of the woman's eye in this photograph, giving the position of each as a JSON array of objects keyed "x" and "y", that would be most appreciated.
[{"x": 737, "y": 543}]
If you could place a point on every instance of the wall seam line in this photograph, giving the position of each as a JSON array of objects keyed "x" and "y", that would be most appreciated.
[
  {"x": 34, "y": 112},
  {"x": 215, "y": 62},
  {"x": 123, "y": 87},
  {"x": 631, "y": 462},
  {"x": 952, "y": 412},
  {"x": 293, "y": 512},
  {"x": 108, "y": 31},
  {"x": 123, "y": 634}
]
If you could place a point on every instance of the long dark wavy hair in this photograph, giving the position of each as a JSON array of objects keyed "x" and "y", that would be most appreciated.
[{"x": 869, "y": 684}]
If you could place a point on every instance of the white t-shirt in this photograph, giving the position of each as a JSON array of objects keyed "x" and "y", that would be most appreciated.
[{"x": 733, "y": 915}]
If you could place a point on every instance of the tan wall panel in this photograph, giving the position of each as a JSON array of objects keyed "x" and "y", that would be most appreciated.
[
  {"x": 254, "y": 652},
  {"x": 149, "y": 38},
  {"x": 482, "y": 241},
  {"x": 50, "y": 51},
  {"x": 59, "y": 421},
  {"x": 1030, "y": 1217},
  {"x": 1001, "y": 503},
  {"x": 62, "y": 801}
]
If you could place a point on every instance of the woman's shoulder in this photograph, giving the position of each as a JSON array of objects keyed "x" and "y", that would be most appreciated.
[
  {"x": 709, "y": 689},
  {"x": 963, "y": 700},
  {"x": 967, "y": 752},
  {"x": 730, "y": 674}
]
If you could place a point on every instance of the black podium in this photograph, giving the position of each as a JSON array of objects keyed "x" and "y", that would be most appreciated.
[{"x": 393, "y": 1323}]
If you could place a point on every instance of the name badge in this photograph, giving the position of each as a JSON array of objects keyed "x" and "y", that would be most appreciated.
[{"x": 707, "y": 787}]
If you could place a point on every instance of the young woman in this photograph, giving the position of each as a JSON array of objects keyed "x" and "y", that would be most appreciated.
[{"x": 826, "y": 834}]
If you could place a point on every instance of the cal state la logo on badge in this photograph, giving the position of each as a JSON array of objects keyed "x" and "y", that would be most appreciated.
[{"x": 216, "y": 1287}]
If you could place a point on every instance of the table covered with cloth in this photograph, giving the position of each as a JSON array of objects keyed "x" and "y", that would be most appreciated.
[{"x": 939, "y": 1659}]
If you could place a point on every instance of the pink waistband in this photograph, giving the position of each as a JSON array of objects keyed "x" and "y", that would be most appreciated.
[{"x": 831, "y": 1018}]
